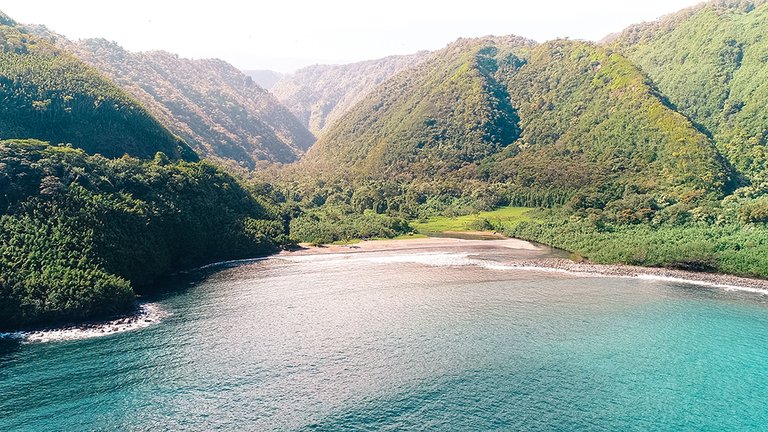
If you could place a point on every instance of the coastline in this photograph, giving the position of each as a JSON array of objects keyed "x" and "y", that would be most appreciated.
[
  {"x": 544, "y": 263},
  {"x": 145, "y": 315},
  {"x": 413, "y": 244},
  {"x": 534, "y": 257}
]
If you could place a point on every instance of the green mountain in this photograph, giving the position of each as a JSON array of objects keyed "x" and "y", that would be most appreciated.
[
  {"x": 50, "y": 95},
  {"x": 566, "y": 115},
  {"x": 711, "y": 61},
  {"x": 434, "y": 118},
  {"x": 319, "y": 95},
  {"x": 590, "y": 118},
  {"x": 81, "y": 234},
  {"x": 214, "y": 107}
]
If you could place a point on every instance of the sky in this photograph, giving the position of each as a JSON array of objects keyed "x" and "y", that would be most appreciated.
[{"x": 284, "y": 35}]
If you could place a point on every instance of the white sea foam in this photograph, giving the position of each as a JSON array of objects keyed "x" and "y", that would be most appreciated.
[
  {"x": 147, "y": 315},
  {"x": 433, "y": 259},
  {"x": 456, "y": 259},
  {"x": 231, "y": 263},
  {"x": 727, "y": 287}
]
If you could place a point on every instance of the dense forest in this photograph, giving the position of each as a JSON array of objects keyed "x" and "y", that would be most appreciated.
[
  {"x": 711, "y": 61},
  {"x": 562, "y": 116},
  {"x": 79, "y": 234},
  {"x": 433, "y": 119}
]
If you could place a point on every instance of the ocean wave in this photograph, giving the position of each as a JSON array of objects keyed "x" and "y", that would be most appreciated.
[
  {"x": 462, "y": 259},
  {"x": 232, "y": 263},
  {"x": 148, "y": 314}
]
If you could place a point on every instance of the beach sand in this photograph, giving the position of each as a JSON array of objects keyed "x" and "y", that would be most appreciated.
[{"x": 530, "y": 256}]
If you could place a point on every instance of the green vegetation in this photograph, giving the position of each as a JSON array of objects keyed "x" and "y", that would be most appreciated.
[
  {"x": 429, "y": 121},
  {"x": 727, "y": 248},
  {"x": 495, "y": 220},
  {"x": 334, "y": 225},
  {"x": 78, "y": 233},
  {"x": 710, "y": 61},
  {"x": 593, "y": 123},
  {"x": 219, "y": 111},
  {"x": 544, "y": 122},
  {"x": 581, "y": 130},
  {"x": 50, "y": 95}
]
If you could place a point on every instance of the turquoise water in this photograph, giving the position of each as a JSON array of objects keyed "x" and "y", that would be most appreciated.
[{"x": 407, "y": 341}]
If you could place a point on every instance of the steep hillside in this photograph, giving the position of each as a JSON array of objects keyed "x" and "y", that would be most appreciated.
[
  {"x": 429, "y": 120},
  {"x": 217, "y": 109},
  {"x": 49, "y": 94},
  {"x": 264, "y": 78},
  {"x": 319, "y": 95},
  {"x": 591, "y": 119},
  {"x": 712, "y": 62},
  {"x": 559, "y": 115}
]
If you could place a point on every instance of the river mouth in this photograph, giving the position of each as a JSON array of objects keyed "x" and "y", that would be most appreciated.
[{"x": 434, "y": 334}]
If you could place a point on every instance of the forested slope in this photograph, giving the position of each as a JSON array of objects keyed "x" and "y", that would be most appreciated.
[
  {"x": 592, "y": 120},
  {"x": 214, "y": 107},
  {"x": 562, "y": 115},
  {"x": 79, "y": 233},
  {"x": 711, "y": 61},
  {"x": 435, "y": 118},
  {"x": 49, "y": 94}
]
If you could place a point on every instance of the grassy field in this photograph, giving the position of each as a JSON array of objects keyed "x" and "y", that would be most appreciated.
[{"x": 496, "y": 220}]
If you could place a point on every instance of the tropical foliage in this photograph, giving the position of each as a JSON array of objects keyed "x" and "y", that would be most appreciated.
[
  {"x": 78, "y": 233},
  {"x": 712, "y": 63}
]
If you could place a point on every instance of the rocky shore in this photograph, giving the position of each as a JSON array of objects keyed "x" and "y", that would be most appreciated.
[{"x": 616, "y": 270}]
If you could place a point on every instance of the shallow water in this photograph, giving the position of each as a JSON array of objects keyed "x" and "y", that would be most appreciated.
[{"x": 407, "y": 341}]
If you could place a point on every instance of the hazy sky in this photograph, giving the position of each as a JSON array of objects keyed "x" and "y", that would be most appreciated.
[{"x": 286, "y": 34}]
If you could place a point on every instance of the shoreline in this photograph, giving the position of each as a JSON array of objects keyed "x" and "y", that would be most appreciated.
[
  {"x": 414, "y": 243},
  {"x": 719, "y": 280},
  {"x": 545, "y": 264},
  {"x": 148, "y": 314},
  {"x": 143, "y": 316}
]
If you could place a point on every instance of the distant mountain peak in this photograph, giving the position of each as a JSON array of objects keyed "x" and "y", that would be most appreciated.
[
  {"x": 265, "y": 78},
  {"x": 320, "y": 94}
]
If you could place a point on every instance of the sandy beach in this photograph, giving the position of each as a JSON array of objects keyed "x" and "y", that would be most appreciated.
[
  {"x": 416, "y": 244},
  {"x": 538, "y": 257},
  {"x": 518, "y": 255}
]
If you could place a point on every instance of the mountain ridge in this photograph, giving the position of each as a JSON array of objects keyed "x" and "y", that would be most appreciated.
[
  {"x": 52, "y": 96},
  {"x": 216, "y": 108},
  {"x": 318, "y": 95},
  {"x": 710, "y": 61}
]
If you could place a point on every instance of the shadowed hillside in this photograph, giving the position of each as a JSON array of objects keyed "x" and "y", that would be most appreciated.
[{"x": 319, "y": 95}]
